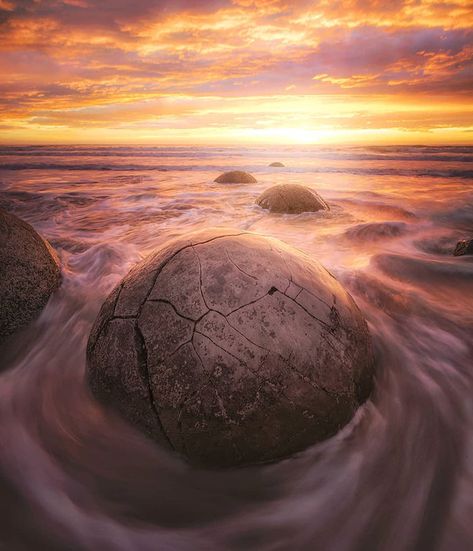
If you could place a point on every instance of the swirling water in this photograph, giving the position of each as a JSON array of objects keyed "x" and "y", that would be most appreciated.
[{"x": 398, "y": 477}]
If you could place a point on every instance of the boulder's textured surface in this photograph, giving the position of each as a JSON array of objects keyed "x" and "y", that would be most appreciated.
[
  {"x": 464, "y": 246},
  {"x": 235, "y": 177},
  {"x": 29, "y": 273},
  {"x": 291, "y": 199},
  {"x": 277, "y": 164},
  {"x": 231, "y": 349}
]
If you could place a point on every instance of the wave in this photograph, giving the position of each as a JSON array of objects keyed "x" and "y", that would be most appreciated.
[
  {"x": 380, "y": 153},
  {"x": 360, "y": 171},
  {"x": 426, "y": 272}
]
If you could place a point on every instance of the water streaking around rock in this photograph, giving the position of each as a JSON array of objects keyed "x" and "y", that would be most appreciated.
[{"x": 75, "y": 476}]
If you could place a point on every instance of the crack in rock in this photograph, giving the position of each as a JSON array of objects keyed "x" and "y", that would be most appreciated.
[
  {"x": 238, "y": 267},
  {"x": 142, "y": 352},
  {"x": 165, "y": 301},
  {"x": 217, "y": 387},
  {"x": 266, "y": 380},
  {"x": 315, "y": 296},
  {"x": 271, "y": 291},
  {"x": 201, "y": 286},
  {"x": 172, "y": 255},
  {"x": 119, "y": 292},
  {"x": 245, "y": 336},
  {"x": 241, "y": 362}
]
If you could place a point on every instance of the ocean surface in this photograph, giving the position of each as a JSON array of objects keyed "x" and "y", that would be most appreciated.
[{"x": 398, "y": 477}]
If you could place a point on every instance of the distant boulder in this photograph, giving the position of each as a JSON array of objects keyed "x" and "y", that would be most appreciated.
[
  {"x": 291, "y": 199},
  {"x": 465, "y": 246},
  {"x": 235, "y": 177},
  {"x": 277, "y": 164},
  {"x": 29, "y": 273}
]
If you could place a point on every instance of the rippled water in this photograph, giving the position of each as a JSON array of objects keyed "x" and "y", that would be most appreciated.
[{"x": 399, "y": 477}]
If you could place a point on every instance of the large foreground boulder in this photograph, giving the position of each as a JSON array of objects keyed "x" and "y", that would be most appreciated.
[
  {"x": 291, "y": 199},
  {"x": 231, "y": 349},
  {"x": 235, "y": 177},
  {"x": 29, "y": 273}
]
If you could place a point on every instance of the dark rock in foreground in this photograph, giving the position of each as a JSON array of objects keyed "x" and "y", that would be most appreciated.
[
  {"x": 464, "y": 247},
  {"x": 235, "y": 177},
  {"x": 277, "y": 164},
  {"x": 231, "y": 349},
  {"x": 29, "y": 273},
  {"x": 291, "y": 199}
]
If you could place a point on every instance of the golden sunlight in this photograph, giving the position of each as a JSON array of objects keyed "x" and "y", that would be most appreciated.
[{"x": 325, "y": 74}]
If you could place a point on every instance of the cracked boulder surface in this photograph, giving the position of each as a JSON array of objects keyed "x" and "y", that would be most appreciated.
[
  {"x": 235, "y": 177},
  {"x": 291, "y": 199},
  {"x": 231, "y": 349},
  {"x": 29, "y": 273}
]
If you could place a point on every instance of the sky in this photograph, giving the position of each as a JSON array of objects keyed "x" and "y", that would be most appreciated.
[{"x": 236, "y": 71}]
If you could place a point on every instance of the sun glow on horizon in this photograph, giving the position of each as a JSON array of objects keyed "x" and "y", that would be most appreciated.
[{"x": 236, "y": 71}]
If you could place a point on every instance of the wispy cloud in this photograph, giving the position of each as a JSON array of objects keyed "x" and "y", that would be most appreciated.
[{"x": 225, "y": 70}]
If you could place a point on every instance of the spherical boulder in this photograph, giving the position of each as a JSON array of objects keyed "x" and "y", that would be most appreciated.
[
  {"x": 277, "y": 164},
  {"x": 235, "y": 177},
  {"x": 29, "y": 273},
  {"x": 231, "y": 349},
  {"x": 291, "y": 199}
]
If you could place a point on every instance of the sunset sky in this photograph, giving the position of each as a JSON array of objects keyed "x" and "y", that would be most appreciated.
[{"x": 236, "y": 71}]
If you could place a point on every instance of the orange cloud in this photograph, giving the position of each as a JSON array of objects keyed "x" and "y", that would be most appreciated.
[{"x": 242, "y": 69}]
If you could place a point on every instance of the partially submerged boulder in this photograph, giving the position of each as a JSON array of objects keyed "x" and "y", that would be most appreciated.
[
  {"x": 235, "y": 177},
  {"x": 29, "y": 273},
  {"x": 465, "y": 246},
  {"x": 231, "y": 349},
  {"x": 374, "y": 231},
  {"x": 291, "y": 199},
  {"x": 277, "y": 164}
]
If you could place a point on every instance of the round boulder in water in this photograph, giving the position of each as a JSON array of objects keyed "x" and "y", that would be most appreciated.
[
  {"x": 29, "y": 273},
  {"x": 235, "y": 177},
  {"x": 277, "y": 164},
  {"x": 291, "y": 199},
  {"x": 231, "y": 349},
  {"x": 373, "y": 231}
]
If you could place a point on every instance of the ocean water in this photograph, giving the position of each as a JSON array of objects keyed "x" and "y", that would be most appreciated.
[{"x": 398, "y": 477}]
